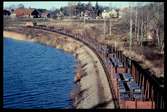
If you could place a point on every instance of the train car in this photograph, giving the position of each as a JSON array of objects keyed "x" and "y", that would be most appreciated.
[
  {"x": 130, "y": 94},
  {"x": 116, "y": 65},
  {"x": 132, "y": 87}
]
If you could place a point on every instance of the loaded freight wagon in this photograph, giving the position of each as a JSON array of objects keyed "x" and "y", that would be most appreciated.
[
  {"x": 131, "y": 85},
  {"x": 129, "y": 93}
]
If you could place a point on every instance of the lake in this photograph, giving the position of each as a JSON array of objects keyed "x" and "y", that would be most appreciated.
[{"x": 36, "y": 76}]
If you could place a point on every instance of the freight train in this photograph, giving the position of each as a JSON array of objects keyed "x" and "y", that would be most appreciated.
[{"x": 130, "y": 85}]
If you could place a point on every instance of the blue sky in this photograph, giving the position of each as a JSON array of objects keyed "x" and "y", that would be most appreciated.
[{"x": 57, "y": 4}]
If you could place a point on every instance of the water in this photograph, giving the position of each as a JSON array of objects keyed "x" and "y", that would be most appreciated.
[{"x": 36, "y": 76}]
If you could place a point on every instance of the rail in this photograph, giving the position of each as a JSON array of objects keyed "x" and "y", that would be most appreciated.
[
  {"x": 98, "y": 55},
  {"x": 157, "y": 90}
]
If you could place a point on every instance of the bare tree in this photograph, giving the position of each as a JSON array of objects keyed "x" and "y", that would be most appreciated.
[
  {"x": 157, "y": 30},
  {"x": 155, "y": 21},
  {"x": 104, "y": 27},
  {"x": 71, "y": 6},
  {"x": 136, "y": 19},
  {"x": 20, "y": 6},
  {"x": 110, "y": 26},
  {"x": 53, "y": 8},
  {"x": 130, "y": 32},
  {"x": 110, "y": 19},
  {"x": 142, "y": 25},
  {"x": 12, "y": 7}
]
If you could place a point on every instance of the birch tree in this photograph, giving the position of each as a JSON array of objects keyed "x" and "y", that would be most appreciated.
[
  {"x": 104, "y": 27},
  {"x": 110, "y": 26},
  {"x": 157, "y": 30},
  {"x": 141, "y": 36},
  {"x": 110, "y": 19},
  {"x": 130, "y": 32},
  {"x": 136, "y": 21}
]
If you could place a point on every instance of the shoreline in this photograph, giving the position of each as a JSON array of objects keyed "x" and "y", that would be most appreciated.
[
  {"x": 94, "y": 85},
  {"x": 16, "y": 36}
]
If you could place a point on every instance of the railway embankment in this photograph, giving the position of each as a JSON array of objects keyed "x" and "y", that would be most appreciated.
[{"x": 94, "y": 91}]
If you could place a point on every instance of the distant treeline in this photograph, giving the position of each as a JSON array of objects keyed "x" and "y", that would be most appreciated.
[{"x": 77, "y": 9}]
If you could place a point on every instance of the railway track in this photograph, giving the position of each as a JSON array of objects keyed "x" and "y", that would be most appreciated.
[
  {"x": 114, "y": 98},
  {"x": 94, "y": 46}
]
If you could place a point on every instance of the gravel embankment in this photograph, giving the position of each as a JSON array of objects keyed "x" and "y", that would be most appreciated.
[{"x": 93, "y": 87}]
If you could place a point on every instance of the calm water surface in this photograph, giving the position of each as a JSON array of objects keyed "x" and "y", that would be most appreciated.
[{"x": 36, "y": 76}]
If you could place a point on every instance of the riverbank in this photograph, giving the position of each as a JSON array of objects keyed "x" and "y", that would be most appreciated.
[
  {"x": 147, "y": 57},
  {"x": 93, "y": 85},
  {"x": 14, "y": 35}
]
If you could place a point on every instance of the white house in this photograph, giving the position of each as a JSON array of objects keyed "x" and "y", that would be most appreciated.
[
  {"x": 123, "y": 12},
  {"x": 113, "y": 13},
  {"x": 109, "y": 14},
  {"x": 105, "y": 15}
]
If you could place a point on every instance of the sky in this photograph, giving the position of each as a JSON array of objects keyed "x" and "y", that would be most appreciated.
[{"x": 57, "y": 4}]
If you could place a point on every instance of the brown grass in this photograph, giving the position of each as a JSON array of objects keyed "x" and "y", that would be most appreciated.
[{"x": 147, "y": 55}]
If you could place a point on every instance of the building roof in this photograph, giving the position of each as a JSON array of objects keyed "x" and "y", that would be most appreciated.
[
  {"x": 44, "y": 14},
  {"x": 124, "y": 10},
  {"x": 6, "y": 12},
  {"x": 23, "y": 11}
]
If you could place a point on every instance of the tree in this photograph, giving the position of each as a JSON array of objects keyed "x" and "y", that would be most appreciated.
[
  {"x": 53, "y": 8},
  {"x": 12, "y": 7},
  {"x": 20, "y": 6},
  {"x": 136, "y": 22},
  {"x": 72, "y": 8},
  {"x": 89, "y": 6},
  {"x": 104, "y": 27},
  {"x": 80, "y": 8},
  {"x": 158, "y": 25},
  {"x": 110, "y": 18},
  {"x": 130, "y": 32},
  {"x": 148, "y": 24},
  {"x": 117, "y": 10},
  {"x": 142, "y": 31},
  {"x": 97, "y": 9}
]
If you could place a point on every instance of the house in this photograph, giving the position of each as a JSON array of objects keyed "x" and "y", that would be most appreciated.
[
  {"x": 13, "y": 15},
  {"x": 6, "y": 13},
  {"x": 114, "y": 13},
  {"x": 110, "y": 14},
  {"x": 45, "y": 15},
  {"x": 123, "y": 11},
  {"x": 60, "y": 15},
  {"x": 36, "y": 13},
  {"x": 29, "y": 24},
  {"x": 87, "y": 14},
  {"x": 151, "y": 36},
  {"x": 40, "y": 13},
  {"x": 22, "y": 12},
  {"x": 52, "y": 15},
  {"x": 105, "y": 15}
]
